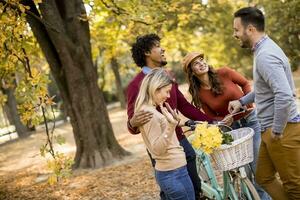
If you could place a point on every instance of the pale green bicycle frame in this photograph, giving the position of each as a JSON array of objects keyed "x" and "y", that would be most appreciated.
[{"x": 213, "y": 190}]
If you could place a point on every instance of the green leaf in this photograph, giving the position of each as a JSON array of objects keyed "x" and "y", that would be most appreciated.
[
  {"x": 60, "y": 139},
  {"x": 43, "y": 150}
]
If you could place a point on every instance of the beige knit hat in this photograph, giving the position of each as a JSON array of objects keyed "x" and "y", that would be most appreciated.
[{"x": 190, "y": 57}]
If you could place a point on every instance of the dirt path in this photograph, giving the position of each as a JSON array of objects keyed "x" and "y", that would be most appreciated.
[{"x": 23, "y": 172}]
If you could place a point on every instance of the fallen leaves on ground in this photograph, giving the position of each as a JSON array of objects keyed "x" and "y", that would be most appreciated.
[{"x": 131, "y": 181}]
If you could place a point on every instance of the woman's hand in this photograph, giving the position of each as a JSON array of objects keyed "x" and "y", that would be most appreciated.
[
  {"x": 171, "y": 115},
  {"x": 234, "y": 106},
  {"x": 227, "y": 120}
]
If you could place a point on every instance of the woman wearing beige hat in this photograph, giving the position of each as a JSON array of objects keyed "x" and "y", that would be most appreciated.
[{"x": 212, "y": 90}]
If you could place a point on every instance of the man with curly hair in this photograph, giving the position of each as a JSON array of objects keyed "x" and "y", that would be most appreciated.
[{"x": 148, "y": 54}]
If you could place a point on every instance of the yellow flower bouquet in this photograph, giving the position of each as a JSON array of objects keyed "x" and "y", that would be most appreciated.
[{"x": 209, "y": 137}]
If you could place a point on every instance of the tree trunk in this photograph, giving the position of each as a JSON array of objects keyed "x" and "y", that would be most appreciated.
[
  {"x": 120, "y": 91},
  {"x": 10, "y": 108},
  {"x": 65, "y": 41},
  {"x": 53, "y": 91}
]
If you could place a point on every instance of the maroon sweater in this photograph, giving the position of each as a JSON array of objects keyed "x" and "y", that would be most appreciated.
[{"x": 176, "y": 100}]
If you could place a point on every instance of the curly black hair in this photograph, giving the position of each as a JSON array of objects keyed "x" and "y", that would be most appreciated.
[{"x": 143, "y": 45}]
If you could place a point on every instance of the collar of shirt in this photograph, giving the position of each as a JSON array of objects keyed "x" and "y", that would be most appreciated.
[
  {"x": 259, "y": 42},
  {"x": 146, "y": 70}
]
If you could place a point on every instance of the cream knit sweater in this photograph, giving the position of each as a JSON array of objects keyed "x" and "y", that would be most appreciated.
[{"x": 161, "y": 141}]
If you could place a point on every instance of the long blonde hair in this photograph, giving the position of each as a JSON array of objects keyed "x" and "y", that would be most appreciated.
[{"x": 155, "y": 80}]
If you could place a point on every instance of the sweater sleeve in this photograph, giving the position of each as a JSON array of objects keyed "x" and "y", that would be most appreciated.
[
  {"x": 188, "y": 110},
  {"x": 240, "y": 80},
  {"x": 247, "y": 99},
  {"x": 132, "y": 93},
  {"x": 159, "y": 132},
  {"x": 272, "y": 71}
]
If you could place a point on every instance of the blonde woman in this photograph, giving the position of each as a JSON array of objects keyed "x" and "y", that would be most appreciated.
[{"x": 160, "y": 137}]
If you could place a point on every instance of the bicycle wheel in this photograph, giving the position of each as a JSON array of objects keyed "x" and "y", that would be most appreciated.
[{"x": 245, "y": 189}]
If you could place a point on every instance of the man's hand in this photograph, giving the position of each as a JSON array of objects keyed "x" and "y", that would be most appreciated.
[
  {"x": 140, "y": 118},
  {"x": 234, "y": 106},
  {"x": 276, "y": 136}
]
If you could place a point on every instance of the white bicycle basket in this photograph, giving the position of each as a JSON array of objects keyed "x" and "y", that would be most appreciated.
[{"x": 238, "y": 153}]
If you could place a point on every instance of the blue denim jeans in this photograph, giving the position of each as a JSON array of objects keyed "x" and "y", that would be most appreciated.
[
  {"x": 176, "y": 184},
  {"x": 252, "y": 122},
  {"x": 191, "y": 168}
]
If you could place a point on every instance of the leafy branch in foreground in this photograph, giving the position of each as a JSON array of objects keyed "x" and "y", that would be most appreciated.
[{"x": 31, "y": 90}]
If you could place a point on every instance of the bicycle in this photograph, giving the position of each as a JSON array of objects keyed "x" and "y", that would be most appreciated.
[{"x": 236, "y": 184}]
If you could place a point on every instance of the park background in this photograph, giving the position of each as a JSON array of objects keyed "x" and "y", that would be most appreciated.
[{"x": 64, "y": 68}]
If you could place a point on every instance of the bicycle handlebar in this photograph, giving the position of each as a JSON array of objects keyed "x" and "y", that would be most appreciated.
[{"x": 192, "y": 124}]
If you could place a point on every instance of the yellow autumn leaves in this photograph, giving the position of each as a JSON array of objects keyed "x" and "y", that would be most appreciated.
[
  {"x": 61, "y": 167},
  {"x": 12, "y": 35},
  {"x": 207, "y": 138},
  {"x": 32, "y": 93}
]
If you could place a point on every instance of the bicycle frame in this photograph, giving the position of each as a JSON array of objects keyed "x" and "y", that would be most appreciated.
[
  {"x": 229, "y": 190},
  {"x": 235, "y": 181},
  {"x": 214, "y": 190},
  {"x": 242, "y": 174}
]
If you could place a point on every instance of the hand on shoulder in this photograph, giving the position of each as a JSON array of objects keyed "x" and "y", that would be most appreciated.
[{"x": 140, "y": 118}]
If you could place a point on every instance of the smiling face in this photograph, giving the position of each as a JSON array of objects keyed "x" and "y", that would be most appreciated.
[
  {"x": 162, "y": 94},
  {"x": 199, "y": 67},
  {"x": 156, "y": 56},
  {"x": 240, "y": 33}
]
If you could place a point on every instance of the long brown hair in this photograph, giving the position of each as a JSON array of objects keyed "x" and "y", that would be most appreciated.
[{"x": 195, "y": 84}]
